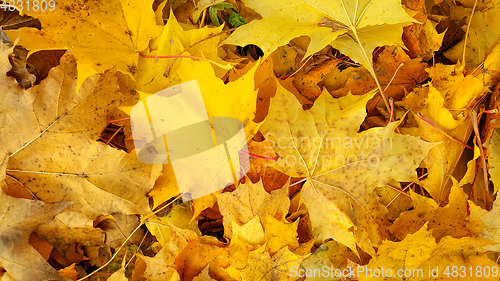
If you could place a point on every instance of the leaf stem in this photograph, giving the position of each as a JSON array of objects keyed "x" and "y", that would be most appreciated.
[
  {"x": 473, "y": 117},
  {"x": 428, "y": 121},
  {"x": 261, "y": 157},
  {"x": 167, "y": 71},
  {"x": 178, "y": 56},
  {"x": 467, "y": 34},
  {"x": 371, "y": 69},
  {"x": 147, "y": 217}
]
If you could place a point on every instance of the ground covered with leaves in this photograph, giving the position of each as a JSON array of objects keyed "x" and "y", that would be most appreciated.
[{"x": 371, "y": 129}]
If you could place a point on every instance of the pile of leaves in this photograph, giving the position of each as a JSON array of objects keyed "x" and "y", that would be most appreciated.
[{"x": 371, "y": 128}]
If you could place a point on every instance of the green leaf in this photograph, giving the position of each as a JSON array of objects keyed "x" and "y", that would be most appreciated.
[
  {"x": 218, "y": 7},
  {"x": 236, "y": 20}
]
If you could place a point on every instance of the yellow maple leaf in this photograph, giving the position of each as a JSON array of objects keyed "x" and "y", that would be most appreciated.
[
  {"x": 174, "y": 40},
  {"x": 494, "y": 159},
  {"x": 236, "y": 99},
  {"x": 20, "y": 217},
  {"x": 264, "y": 267},
  {"x": 483, "y": 35},
  {"x": 250, "y": 200},
  {"x": 342, "y": 167},
  {"x": 55, "y": 157},
  {"x": 180, "y": 216},
  {"x": 344, "y": 24},
  {"x": 163, "y": 265},
  {"x": 251, "y": 232},
  {"x": 445, "y": 104},
  {"x": 101, "y": 34},
  {"x": 419, "y": 257},
  {"x": 330, "y": 255},
  {"x": 450, "y": 220},
  {"x": 485, "y": 224}
]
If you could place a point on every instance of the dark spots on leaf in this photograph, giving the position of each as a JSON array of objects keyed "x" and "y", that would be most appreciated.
[{"x": 132, "y": 68}]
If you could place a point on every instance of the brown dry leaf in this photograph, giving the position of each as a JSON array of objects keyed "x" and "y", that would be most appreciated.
[
  {"x": 197, "y": 254},
  {"x": 307, "y": 80},
  {"x": 261, "y": 168},
  {"x": 266, "y": 82},
  {"x": 40, "y": 245},
  {"x": 69, "y": 272},
  {"x": 422, "y": 40},
  {"x": 19, "y": 218},
  {"x": 360, "y": 81}
]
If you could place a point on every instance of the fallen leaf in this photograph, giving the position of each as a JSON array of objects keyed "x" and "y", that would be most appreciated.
[
  {"x": 484, "y": 224},
  {"x": 261, "y": 168},
  {"x": 307, "y": 81},
  {"x": 56, "y": 158},
  {"x": 450, "y": 220},
  {"x": 391, "y": 66},
  {"x": 426, "y": 256},
  {"x": 20, "y": 217},
  {"x": 174, "y": 40},
  {"x": 329, "y": 255},
  {"x": 250, "y": 200},
  {"x": 483, "y": 33},
  {"x": 494, "y": 159},
  {"x": 197, "y": 254},
  {"x": 340, "y": 23},
  {"x": 163, "y": 265},
  {"x": 262, "y": 266},
  {"x": 422, "y": 40},
  {"x": 342, "y": 167},
  {"x": 98, "y": 42}
]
